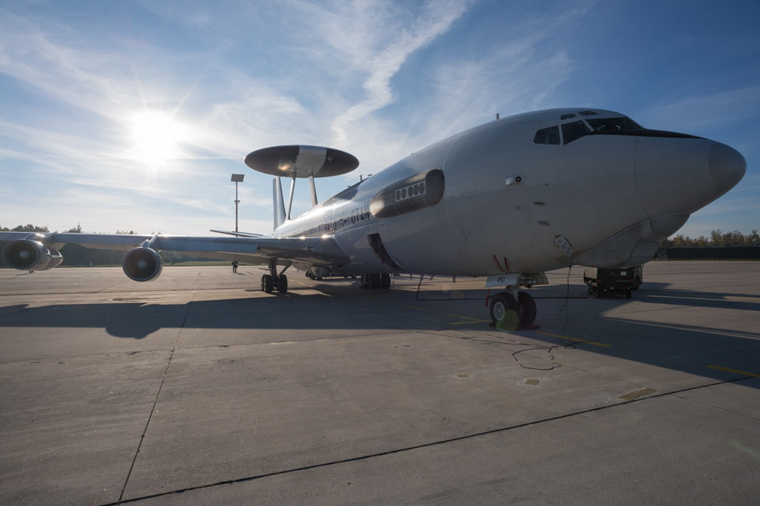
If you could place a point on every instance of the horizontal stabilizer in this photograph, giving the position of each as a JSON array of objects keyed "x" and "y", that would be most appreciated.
[{"x": 237, "y": 234}]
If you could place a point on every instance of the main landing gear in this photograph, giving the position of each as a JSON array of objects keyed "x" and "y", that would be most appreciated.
[
  {"x": 272, "y": 281},
  {"x": 374, "y": 281},
  {"x": 508, "y": 313}
]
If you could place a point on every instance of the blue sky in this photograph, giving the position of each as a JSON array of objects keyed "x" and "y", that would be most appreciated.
[{"x": 131, "y": 115}]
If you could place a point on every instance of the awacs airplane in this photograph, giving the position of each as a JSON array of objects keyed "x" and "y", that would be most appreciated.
[{"x": 506, "y": 200}]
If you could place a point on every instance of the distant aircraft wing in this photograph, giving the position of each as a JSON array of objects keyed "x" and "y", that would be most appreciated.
[{"x": 254, "y": 250}]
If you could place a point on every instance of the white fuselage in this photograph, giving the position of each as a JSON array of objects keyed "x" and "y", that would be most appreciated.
[{"x": 508, "y": 195}]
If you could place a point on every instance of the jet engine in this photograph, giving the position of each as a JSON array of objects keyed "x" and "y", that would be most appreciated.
[
  {"x": 142, "y": 264},
  {"x": 29, "y": 255},
  {"x": 317, "y": 272}
]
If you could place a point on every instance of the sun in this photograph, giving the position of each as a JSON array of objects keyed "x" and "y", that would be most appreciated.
[{"x": 157, "y": 138}]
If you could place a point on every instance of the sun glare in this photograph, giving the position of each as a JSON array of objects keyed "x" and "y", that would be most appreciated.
[{"x": 156, "y": 137}]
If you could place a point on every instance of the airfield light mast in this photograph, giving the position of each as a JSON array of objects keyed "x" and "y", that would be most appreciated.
[{"x": 237, "y": 178}]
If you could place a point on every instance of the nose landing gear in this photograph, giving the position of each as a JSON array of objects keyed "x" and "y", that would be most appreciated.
[
  {"x": 508, "y": 313},
  {"x": 374, "y": 281}
]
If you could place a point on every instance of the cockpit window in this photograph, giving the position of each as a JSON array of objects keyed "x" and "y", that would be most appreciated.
[
  {"x": 574, "y": 131},
  {"x": 547, "y": 136},
  {"x": 613, "y": 124}
]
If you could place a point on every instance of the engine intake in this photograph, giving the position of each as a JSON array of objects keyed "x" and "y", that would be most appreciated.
[
  {"x": 28, "y": 255},
  {"x": 142, "y": 264}
]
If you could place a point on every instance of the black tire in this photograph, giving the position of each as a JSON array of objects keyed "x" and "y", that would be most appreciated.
[
  {"x": 528, "y": 306},
  {"x": 505, "y": 311},
  {"x": 627, "y": 294},
  {"x": 385, "y": 281},
  {"x": 267, "y": 283},
  {"x": 636, "y": 283},
  {"x": 599, "y": 292},
  {"x": 373, "y": 281},
  {"x": 283, "y": 288}
]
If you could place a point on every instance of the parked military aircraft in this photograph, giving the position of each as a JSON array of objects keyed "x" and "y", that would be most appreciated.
[{"x": 507, "y": 200}]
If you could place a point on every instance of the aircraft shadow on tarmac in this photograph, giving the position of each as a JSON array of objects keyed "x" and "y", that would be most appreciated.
[{"x": 689, "y": 348}]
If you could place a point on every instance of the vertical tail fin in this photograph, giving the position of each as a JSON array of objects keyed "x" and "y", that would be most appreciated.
[{"x": 279, "y": 203}]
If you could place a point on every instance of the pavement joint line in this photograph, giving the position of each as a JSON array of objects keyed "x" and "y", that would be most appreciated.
[
  {"x": 155, "y": 403},
  {"x": 420, "y": 446},
  {"x": 415, "y": 307}
]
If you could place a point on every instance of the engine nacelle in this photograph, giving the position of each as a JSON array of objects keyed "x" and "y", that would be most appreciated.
[
  {"x": 28, "y": 255},
  {"x": 142, "y": 264},
  {"x": 318, "y": 272}
]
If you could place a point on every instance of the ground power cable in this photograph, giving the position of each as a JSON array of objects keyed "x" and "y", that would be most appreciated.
[{"x": 563, "y": 340}]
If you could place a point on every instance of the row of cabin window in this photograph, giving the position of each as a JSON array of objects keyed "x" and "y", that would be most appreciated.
[{"x": 570, "y": 132}]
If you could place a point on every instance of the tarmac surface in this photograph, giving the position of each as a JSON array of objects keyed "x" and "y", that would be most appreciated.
[{"x": 197, "y": 388}]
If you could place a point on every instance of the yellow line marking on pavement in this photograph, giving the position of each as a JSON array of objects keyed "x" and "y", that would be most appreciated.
[
  {"x": 575, "y": 340},
  {"x": 735, "y": 371},
  {"x": 466, "y": 317},
  {"x": 753, "y": 299},
  {"x": 417, "y": 308},
  {"x": 713, "y": 299},
  {"x": 470, "y": 320}
]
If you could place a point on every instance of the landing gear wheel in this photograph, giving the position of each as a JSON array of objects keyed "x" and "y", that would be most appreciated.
[
  {"x": 528, "y": 306},
  {"x": 267, "y": 284},
  {"x": 371, "y": 281},
  {"x": 505, "y": 311},
  {"x": 283, "y": 288},
  {"x": 385, "y": 281}
]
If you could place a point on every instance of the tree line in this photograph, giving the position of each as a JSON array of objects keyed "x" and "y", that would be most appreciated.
[{"x": 716, "y": 238}]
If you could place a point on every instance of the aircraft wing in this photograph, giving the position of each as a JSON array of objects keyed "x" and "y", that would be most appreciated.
[
  {"x": 315, "y": 250},
  {"x": 95, "y": 241},
  {"x": 255, "y": 250}
]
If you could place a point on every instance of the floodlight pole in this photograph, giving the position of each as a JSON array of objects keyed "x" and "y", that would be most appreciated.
[
  {"x": 236, "y": 206},
  {"x": 237, "y": 178}
]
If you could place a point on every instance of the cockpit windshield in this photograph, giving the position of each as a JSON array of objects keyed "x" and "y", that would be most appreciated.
[{"x": 612, "y": 124}]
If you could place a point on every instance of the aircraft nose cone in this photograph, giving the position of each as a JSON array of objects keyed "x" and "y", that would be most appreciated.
[
  {"x": 727, "y": 166},
  {"x": 682, "y": 175}
]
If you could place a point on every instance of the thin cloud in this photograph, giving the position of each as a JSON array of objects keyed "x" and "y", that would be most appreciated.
[
  {"x": 709, "y": 110},
  {"x": 384, "y": 61}
]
